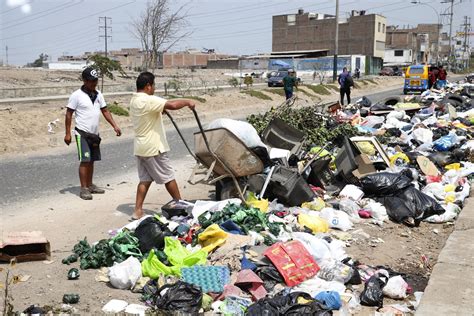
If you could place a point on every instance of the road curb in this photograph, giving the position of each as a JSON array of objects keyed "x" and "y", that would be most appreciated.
[{"x": 450, "y": 289}]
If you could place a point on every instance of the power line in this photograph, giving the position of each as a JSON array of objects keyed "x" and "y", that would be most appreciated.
[{"x": 69, "y": 22}]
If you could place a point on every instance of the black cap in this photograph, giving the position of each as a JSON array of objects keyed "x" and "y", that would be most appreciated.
[{"x": 90, "y": 74}]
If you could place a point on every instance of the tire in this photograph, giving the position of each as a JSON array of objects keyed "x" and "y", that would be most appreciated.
[
  {"x": 269, "y": 85},
  {"x": 225, "y": 189},
  {"x": 392, "y": 100}
]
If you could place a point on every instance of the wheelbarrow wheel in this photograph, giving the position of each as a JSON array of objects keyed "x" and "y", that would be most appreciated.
[{"x": 225, "y": 189}]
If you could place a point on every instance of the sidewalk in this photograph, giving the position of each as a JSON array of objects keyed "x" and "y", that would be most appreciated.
[{"x": 450, "y": 290}]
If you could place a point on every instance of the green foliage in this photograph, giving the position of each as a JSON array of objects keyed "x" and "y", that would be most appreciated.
[
  {"x": 257, "y": 94},
  {"x": 116, "y": 109},
  {"x": 318, "y": 128},
  {"x": 234, "y": 82},
  {"x": 39, "y": 62},
  {"x": 278, "y": 91},
  {"x": 193, "y": 97},
  {"x": 318, "y": 89},
  {"x": 105, "y": 66}
]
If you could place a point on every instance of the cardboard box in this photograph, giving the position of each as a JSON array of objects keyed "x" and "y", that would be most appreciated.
[{"x": 24, "y": 246}]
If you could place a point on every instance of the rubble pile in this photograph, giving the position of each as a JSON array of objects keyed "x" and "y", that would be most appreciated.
[{"x": 405, "y": 160}]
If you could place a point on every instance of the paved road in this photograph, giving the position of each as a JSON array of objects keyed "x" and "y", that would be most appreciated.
[{"x": 25, "y": 178}]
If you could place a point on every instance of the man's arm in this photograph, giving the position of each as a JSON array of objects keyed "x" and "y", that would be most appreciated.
[
  {"x": 108, "y": 117},
  {"x": 67, "y": 137},
  {"x": 179, "y": 104}
]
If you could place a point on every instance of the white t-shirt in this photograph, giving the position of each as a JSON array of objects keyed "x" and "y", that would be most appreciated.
[{"x": 87, "y": 114}]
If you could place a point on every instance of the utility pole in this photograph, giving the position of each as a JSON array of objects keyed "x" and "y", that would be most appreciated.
[
  {"x": 6, "y": 53},
  {"x": 450, "y": 30},
  {"x": 106, "y": 28},
  {"x": 336, "y": 43},
  {"x": 467, "y": 29}
]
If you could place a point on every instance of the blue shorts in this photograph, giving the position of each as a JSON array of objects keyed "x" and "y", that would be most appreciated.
[{"x": 87, "y": 149}]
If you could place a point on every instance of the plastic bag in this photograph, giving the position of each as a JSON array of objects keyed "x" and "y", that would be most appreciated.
[
  {"x": 181, "y": 296},
  {"x": 124, "y": 275},
  {"x": 212, "y": 238},
  {"x": 350, "y": 207},
  {"x": 177, "y": 255},
  {"x": 336, "y": 219},
  {"x": 351, "y": 191},
  {"x": 423, "y": 135},
  {"x": 114, "y": 306},
  {"x": 384, "y": 183},
  {"x": 317, "y": 247},
  {"x": 446, "y": 142},
  {"x": 452, "y": 211},
  {"x": 253, "y": 201},
  {"x": 396, "y": 288},
  {"x": 373, "y": 291},
  {"x": 316, "y": 204},
  {"x": 333, "y": 270},
  {"x": 151, "y": 233},
  {"x": 331, "y": 299},
  {"x": 293, "y": 261},
  {"x": 313, "y": 222},
  {"x": 242, "y": 130}
]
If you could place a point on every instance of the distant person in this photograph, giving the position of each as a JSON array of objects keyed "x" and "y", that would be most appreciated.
[
  {"x": 431, "y": 78},
  {"x": 345, "y": 83},
  {"x": 289, "y": 81},
  {"x": 150, "y": 144},
  {"x": 442, "y": 74},
  {"x": 87, "y": 103},
  {"x": 357, "y": 73}
]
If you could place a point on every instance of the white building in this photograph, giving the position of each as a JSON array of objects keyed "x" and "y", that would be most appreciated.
[{"x": 398, "y": 56}]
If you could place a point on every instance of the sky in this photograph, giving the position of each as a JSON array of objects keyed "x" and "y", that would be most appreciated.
[{"x": 70, "y": 27}]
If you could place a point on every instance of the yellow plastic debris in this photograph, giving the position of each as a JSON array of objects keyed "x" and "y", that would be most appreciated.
[
  {"x": 253, "y": 201},
  {"x": 212, "y": 237},
  {"x": 313, "y": 222}
]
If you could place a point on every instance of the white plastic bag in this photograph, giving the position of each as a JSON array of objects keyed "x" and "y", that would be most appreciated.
[
  {"x": 124, "y": 275},
  {"x": 396, "y": 288},
  {"x": 423, "y": 135},
  {"x": 352, "y": 192},
  {"x": 317, "y": 247},
  {"x": 136, "y": 309},
  {"x": 435, "y": 190},
  {"x": 350, "y": 207},
  {"x": 242, "y": 130},
  {"x": 114, "y": 306},
  {"x": 336, "y": 219}
]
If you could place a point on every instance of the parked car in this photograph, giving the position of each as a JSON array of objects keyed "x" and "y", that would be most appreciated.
[
  {"x": 275, "y": 79},
  {"x": 387, "y": 71}
]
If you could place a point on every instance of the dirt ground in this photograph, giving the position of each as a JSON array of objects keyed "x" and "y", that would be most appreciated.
[{"x": 65, "y": 219}]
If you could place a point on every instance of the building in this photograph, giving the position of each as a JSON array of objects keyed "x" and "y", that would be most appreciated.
[
  {"x": 424, "y": 41},
  {"x": 190, "y": 59},
  {"x": 360, "y": 34},
  {"x": 398, "y": 57}
]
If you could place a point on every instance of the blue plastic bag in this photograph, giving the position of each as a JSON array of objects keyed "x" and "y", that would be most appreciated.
[{"x": 331, "y": 299}]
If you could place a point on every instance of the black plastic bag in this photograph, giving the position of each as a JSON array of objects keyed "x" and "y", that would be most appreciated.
[
  {"x": 181, "y": 296},
  {"x": 287, "y": 304},
  {"x": 151, "y": 233},
  {"x": 384, "y": 183},
  {"x": 423, "y": 205},
  {"x": 396, "y": 208},
  {"x": 270, "y": 276},
  {"x": 373, "y": 291}
]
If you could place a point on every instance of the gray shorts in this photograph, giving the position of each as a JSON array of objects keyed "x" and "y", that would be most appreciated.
[{"x": 155, "y": 168}]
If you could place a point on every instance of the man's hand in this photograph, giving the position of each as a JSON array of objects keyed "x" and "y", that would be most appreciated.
[
  {"x": 117, "y": 130},
  {"x": 67, "y": 139},
  {"x": 191, "y": 105}
]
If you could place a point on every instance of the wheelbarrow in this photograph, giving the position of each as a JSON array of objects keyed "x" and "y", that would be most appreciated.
[{"x": 220, "y": 155}]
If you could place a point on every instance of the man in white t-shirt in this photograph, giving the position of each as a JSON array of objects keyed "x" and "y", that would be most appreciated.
[
  {"x": 150, "y": 144},
  {"x": 87, "y": 103}
]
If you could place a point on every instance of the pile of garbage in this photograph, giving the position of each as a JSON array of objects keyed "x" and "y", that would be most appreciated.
[{"x": 273, "y": 253}]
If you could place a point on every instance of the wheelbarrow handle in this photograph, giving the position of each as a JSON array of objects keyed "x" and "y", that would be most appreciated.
[
  {"x": 202, "y": 131},
  {"x": 180, "y": 134}
]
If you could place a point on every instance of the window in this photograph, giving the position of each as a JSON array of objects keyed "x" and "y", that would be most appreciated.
[
  {"x": 383, "y": 28},
  {"x": 291, "y": 19},
  {"x": 379, "y": 27},
  {"x": 398, "y": 53},
  {"x": 416, "y": 71}
]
